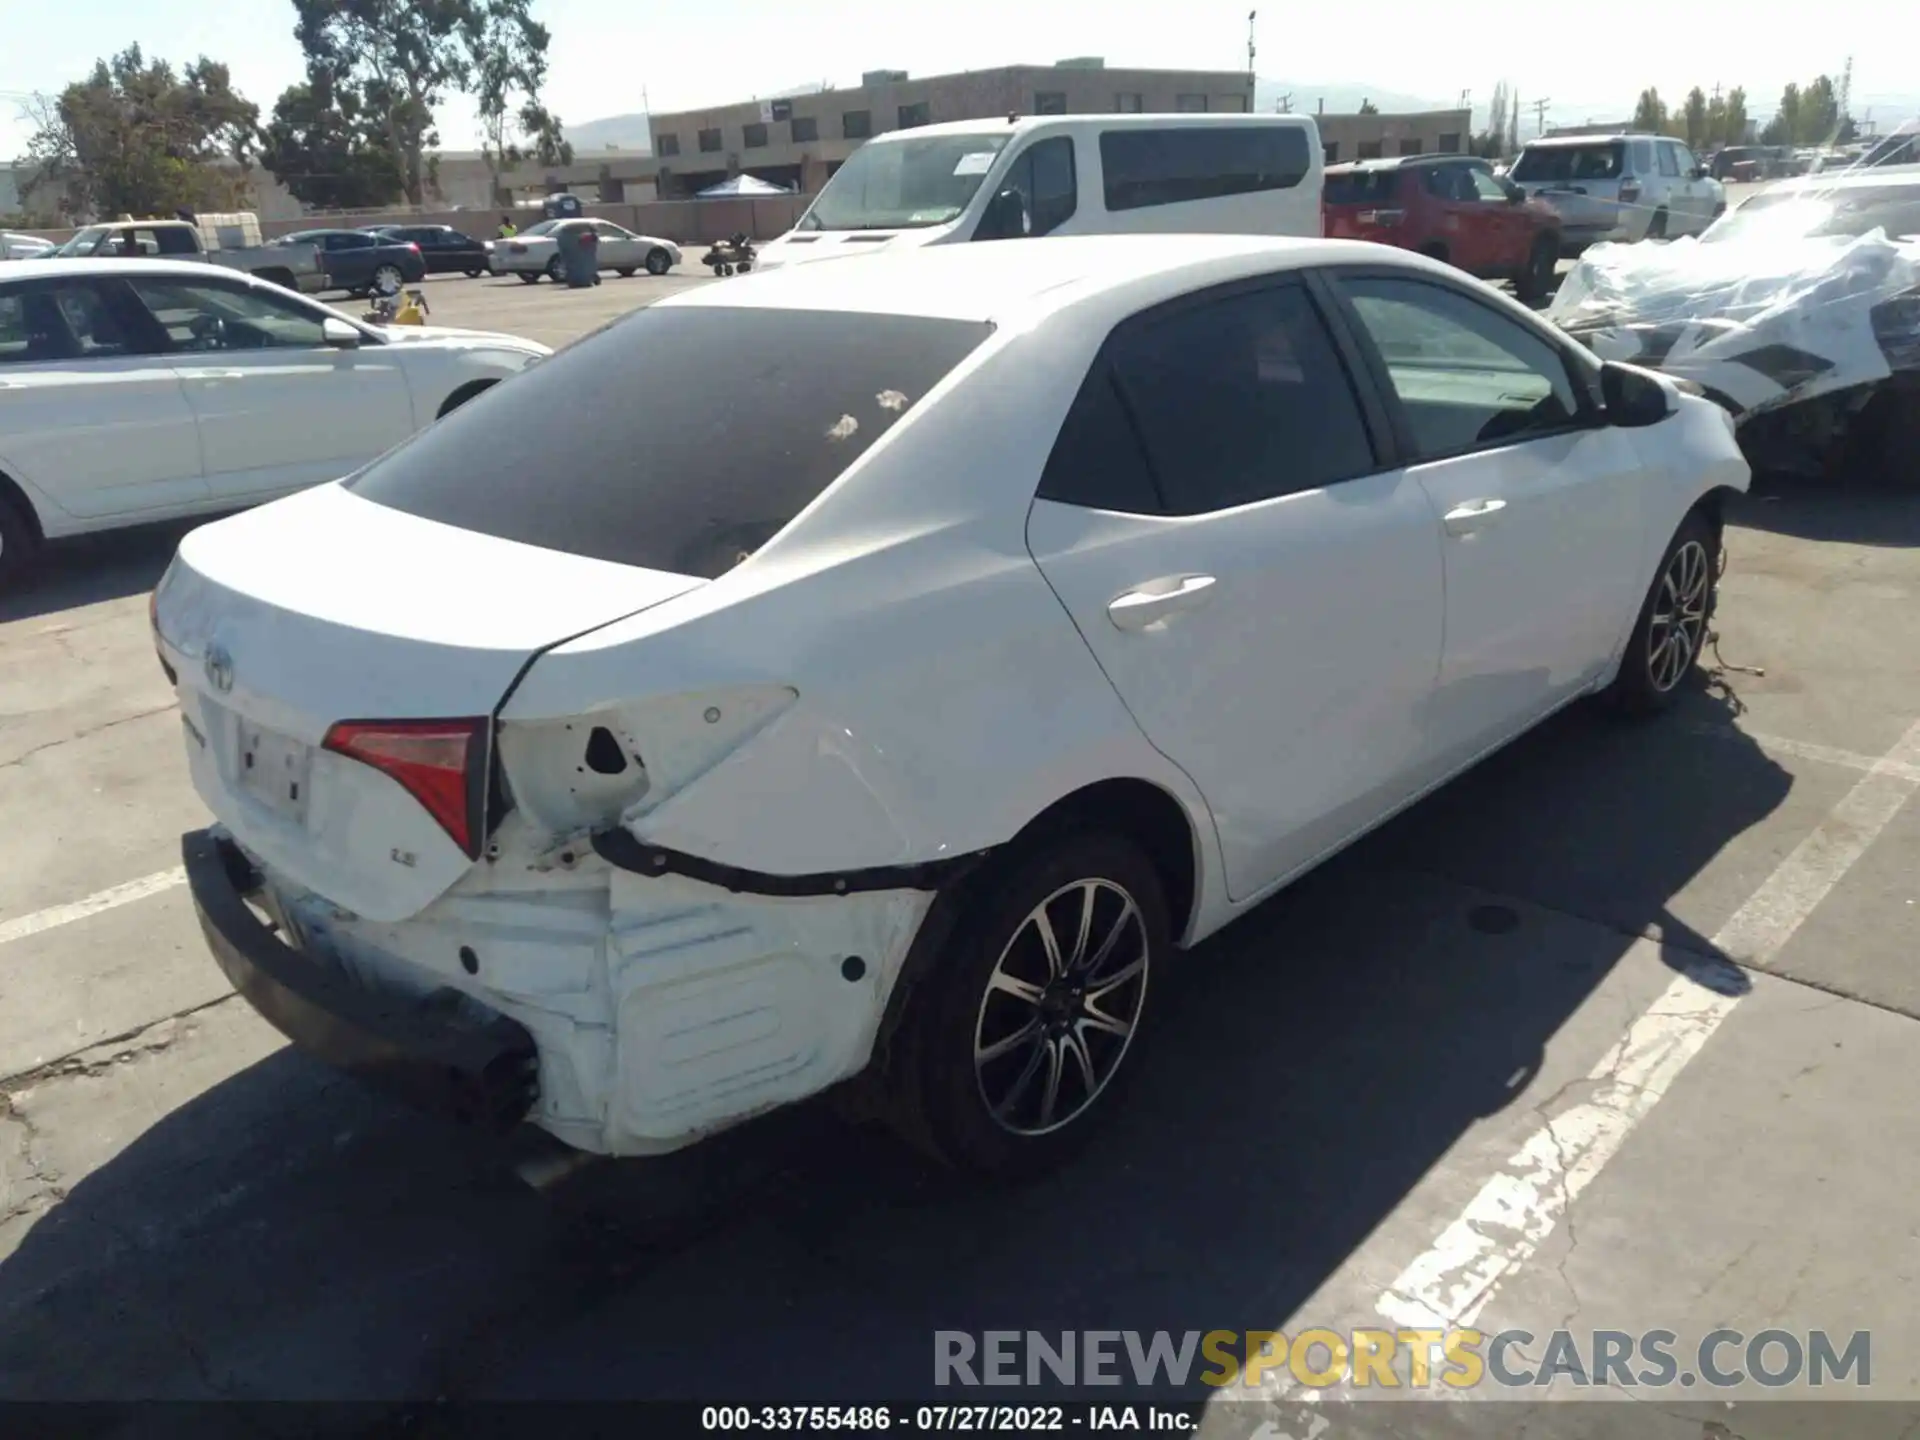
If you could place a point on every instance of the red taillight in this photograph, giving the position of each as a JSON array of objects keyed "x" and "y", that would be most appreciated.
[
  {"x": 413, "y": 247},
  {"x": 435, "y": 761}
]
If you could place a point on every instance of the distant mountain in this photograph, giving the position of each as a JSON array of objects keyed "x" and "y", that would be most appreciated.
[{"x": 616, "y": 132}]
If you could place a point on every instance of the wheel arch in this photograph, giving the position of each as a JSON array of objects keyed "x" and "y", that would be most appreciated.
[
  {"x": 13, "y": 493},
  {"x": 462, "y": 395}
]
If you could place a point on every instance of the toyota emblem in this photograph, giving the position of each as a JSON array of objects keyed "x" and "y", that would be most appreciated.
[{"x": 220, "y": 668}]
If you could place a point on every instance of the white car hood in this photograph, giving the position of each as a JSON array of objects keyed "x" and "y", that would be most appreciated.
[
  {"x": 803, "y": 247},
  {"x": 451, "y": 336}
]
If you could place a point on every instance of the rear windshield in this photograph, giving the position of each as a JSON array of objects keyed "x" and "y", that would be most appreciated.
[
  {"x": 1602, "y": 160},
  {"x": 679, "y": 438},
  {"x": 1360, "y": 187}
]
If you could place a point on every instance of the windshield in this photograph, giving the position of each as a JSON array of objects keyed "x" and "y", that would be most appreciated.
[
  {"x": 905, "y": 184},
  {"x": 1359, "y": 187},
  {"x": 83, "y": 243},
  {"x": 1802, "y": 214},
  {"x": 1570, "y": 164}
]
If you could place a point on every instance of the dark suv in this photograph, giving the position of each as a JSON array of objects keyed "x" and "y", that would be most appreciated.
[{"x": 1452, "y": 207}]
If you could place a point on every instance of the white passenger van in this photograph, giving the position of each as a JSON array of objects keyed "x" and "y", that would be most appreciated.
[{"x": 1239, "y": 174}]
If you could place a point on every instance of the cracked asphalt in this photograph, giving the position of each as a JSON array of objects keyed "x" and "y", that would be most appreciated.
[{"x": 1683, "y": 953}]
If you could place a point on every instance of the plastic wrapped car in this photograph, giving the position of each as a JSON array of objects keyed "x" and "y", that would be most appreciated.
[{"x": 1799, "y": 312}]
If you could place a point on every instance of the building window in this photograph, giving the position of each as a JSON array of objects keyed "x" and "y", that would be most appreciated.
[
  {"x": 1369, "y": 149},
  {"x": 754, "y": 136},
  {"x": 1050, "y": 102},
  {"x": 1233, "y": 104},
  {"x": 918, "y": 113},
  {"x": 857, "y": 124},
  {"x": 1189, "y": 104},
  {"x": 1332, "y": 148},
  {"x": 709, "y": 140},
  {"x": 1409, "y": 147},
  {"x": 805, "y": 127},
  {"x": 666, "y": 144},
  {"x": 1130, "y": 103},
  {"x": 1449, "y": 142}
]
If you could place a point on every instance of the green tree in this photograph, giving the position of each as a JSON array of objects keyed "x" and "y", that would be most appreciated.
[
  {"x": 507, "y": 49},
  {"x": 1735, "y": 117},
  {"x": 327, "y": 150},
  {"x": 1817, "y": 121},
  {"x": 1785, "y": 124},
  {"x": 1693, "y": 117},
  {"x": 1367, "y": 107},
  {"x": 1491, "y": 143},
  {"x": 1650, "y": 114},
  {"x": 136, "y": 138}
]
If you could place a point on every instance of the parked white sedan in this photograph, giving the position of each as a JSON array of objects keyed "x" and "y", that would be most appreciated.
[
  {"x": 1062, "y": 600},
  {"x": 535, "y": 251},
  {"x": 140, "y": 390},
  {"x": 15, "y": 246}
]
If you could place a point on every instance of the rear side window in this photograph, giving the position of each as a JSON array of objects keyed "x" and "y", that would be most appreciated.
[
  {"x": 625, "y": 447},
  {"x": 1143, "y": 168},
  {"x": 1240, "y": 398},
  {"x": 1361, "y": 187},
  {"x": 1097, "y": 462}
]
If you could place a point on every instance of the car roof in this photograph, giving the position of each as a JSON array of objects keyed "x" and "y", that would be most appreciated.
[
  {"x": 1402, "y": 162},
  {"x": 1555, "y": 142},
  {"x": 79, "y": 267},
  {"x": 1011, "y": 281}
]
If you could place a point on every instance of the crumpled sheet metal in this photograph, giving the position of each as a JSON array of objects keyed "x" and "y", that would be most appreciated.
[{"x": 1758, "y": 323}]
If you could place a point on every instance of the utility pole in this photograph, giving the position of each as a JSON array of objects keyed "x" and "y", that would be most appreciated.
[
  {"x": 1252, "y": 15},
  {"x": 1846, "y": 90},
  {"x": 1284, "y": 105},
  {"x": 1540, "y": 115}
]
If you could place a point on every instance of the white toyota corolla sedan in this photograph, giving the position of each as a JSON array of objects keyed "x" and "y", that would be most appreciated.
[
  {"x": 1025, "y": 613},
  {"x": 138, "y": 390}
]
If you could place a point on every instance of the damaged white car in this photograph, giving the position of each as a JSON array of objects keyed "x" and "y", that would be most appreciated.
[
  {"x": 1799, "y": 313},
  {"x": 1027, "y": 612}
]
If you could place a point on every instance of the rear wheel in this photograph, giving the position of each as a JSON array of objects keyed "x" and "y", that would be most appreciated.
[
  {"x": 388, "y": 279},
  {"x": 1537, "y": 279},
  {"x": 625, "y": 272},
  {"x": 1657, "y": 227},
  {"x": 1672, "y": 628},
  {"x": 1021, "y": 1036},
  {"x": 658, "y": 262},
  {"x": 474, "y": 274},
  {"x": 556, "y": 272},
  {"x": 529, "y": 277}
]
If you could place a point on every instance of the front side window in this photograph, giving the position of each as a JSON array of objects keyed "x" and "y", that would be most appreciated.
[
  {"x": 654, "y": 468},
  {"x": 1044, "y": 178},
  {"x": 1466, "y": 376},
  {"x": 1240, "y": 399},
  {"x": 610, "y": 231},
  {"x": 1143, "y": 168},
  {"x": 905, "y": 184},
  {"x": 202, "y": 315},
  {"x": 1484, "y": 186}
]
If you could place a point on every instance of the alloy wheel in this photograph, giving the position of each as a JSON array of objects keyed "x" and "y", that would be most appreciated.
[
  {"x": 1061, "y": 1007},
  {"x": 1678, "y": 625}
]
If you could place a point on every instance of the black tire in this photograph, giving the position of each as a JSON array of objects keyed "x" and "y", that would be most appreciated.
[
  {"x": 19, "y": 544},
  {"x": 658, "y": 262},
  {"x": 556, "y": 272},
  {"x": 1534, "y": 282},
  {"x": 1069, "y": 1039},
  {"x": 625, "y": 272},
  {"x": 1657, "y": 227},
  {"x": 528, "y": 277},
  {"x": 1652, "y": 675},
  {"x": 475, "y": 274}
]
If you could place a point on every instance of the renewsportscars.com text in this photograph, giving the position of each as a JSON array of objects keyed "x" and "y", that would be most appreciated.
[{"x": 1400, "y": 1359}]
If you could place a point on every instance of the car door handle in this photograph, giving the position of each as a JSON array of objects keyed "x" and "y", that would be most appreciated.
[
  {"x": 1138, "y": 609},
  {"x": 1473, "y": 515}
]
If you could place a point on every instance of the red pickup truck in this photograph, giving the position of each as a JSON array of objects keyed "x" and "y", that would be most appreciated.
[{"x": 1452, "y": 207}]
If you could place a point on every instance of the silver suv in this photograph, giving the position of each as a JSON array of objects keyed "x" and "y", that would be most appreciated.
[{"x": 1619, "y": 187}]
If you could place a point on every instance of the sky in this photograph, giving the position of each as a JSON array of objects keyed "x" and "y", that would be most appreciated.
[{"x": 615, "y": 56}]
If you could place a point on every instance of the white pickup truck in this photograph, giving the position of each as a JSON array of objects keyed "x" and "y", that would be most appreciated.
[{"x": 293, "y": 267}]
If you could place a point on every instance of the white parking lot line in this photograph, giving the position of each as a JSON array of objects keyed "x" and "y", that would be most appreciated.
[
  {"x": 1807, "y": 750},
  {"x": 55, "y": 916},
  {"x": 1515, "y": 1211}
]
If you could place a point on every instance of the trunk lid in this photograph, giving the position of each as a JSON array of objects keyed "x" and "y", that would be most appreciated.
[{"x": 284, "y": 621}]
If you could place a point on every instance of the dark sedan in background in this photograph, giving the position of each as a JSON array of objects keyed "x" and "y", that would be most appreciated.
[
  {"x": 358, "y": 262},
  {"x": 446, "y": 250}
]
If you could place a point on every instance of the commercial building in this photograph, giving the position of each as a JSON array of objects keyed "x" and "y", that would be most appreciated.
[
  {"x": 1375, "y": 137},
  {"x": 799, "y": 140}
]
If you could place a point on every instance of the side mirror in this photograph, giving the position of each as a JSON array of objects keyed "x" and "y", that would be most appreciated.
[
  {"x": 1515, "y": 195},
  {"x": 1006, "y": 217},
  {"x": 340, "y": 335},
  {"x": 1634, "y": 396}
]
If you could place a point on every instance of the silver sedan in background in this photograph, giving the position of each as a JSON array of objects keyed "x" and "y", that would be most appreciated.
[{"x": 535, "y": 251}]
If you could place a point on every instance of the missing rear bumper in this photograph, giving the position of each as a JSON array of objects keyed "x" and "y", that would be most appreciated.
[{"x": 442, "y": 1052}]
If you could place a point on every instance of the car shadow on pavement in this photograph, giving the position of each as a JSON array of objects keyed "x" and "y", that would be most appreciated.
[
  {"x": 283, "y": 1235},
  {"x": 1820, "y": 510},
  {"x": 89, "y": 569}
]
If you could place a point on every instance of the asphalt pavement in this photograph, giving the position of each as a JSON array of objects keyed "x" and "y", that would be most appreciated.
[{"x": 1616, "y": 1032}]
